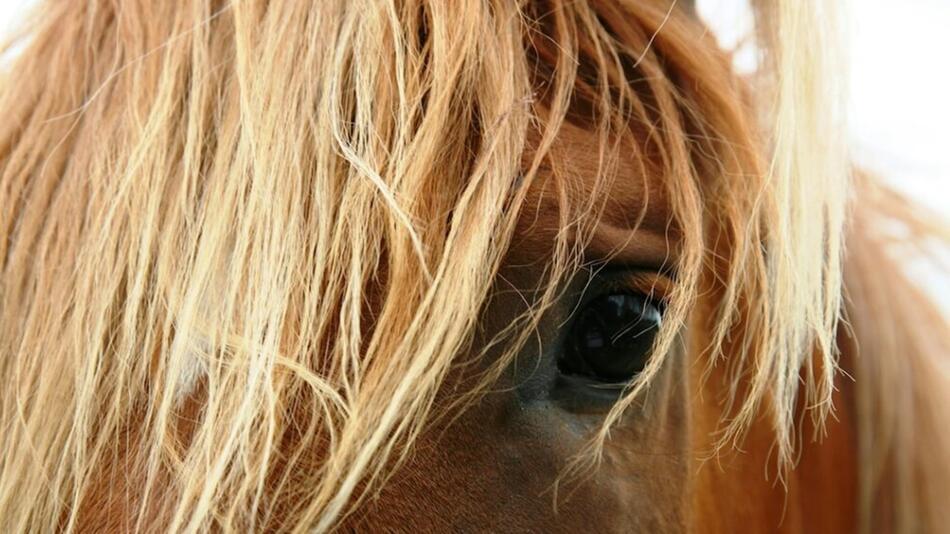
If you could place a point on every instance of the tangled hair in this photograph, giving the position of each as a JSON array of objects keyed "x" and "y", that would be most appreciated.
[{"x": 244, "y": 243}]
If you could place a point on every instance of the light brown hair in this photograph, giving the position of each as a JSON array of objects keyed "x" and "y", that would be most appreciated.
[{"x": 237, "y": 233}]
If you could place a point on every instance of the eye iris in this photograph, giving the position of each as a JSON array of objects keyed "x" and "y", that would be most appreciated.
[{"x": 611, "y": 339}]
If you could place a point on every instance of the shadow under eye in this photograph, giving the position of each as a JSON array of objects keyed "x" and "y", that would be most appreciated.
[{"x": 581, "y": 394}]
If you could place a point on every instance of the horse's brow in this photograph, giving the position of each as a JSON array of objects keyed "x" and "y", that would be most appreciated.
[{"x": 644, "y": 246}]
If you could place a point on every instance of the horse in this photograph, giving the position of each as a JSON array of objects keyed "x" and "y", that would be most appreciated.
[{"x": 479, "y": 265}]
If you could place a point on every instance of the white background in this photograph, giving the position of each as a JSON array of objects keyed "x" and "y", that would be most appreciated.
[{"x": 899, "y": 108}]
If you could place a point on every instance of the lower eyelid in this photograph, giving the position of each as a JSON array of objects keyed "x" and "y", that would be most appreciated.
[{"x": 580, "y": 394}]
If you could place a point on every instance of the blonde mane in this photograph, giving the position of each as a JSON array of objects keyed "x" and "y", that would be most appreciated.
[{"x": 244, "y": 243}]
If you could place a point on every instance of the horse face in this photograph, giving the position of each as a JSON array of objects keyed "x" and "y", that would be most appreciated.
[{"x": 497, "y": 466}]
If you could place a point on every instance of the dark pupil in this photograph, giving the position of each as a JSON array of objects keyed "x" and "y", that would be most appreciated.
[{"x": 612, "y": 337}]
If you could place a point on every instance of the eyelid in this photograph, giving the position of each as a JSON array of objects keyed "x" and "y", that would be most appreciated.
[
  {"x": 655, "y": 285},
  {"x": 665, "y": 267},
  {"x": 598, "y": 278}
]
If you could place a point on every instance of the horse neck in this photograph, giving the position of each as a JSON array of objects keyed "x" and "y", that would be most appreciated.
[
  {"x": 740, "y": 489},
  {"x": 881, "y": 462},
  {"x": 898, "y": 346}
]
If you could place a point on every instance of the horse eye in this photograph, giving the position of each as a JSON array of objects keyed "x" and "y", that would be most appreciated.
[{"x": 611, "y": 338}]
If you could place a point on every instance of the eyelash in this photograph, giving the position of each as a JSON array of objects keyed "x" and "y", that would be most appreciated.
[{"x": 656, "y": 285}]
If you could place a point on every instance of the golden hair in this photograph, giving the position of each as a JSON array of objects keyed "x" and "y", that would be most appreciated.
[{"x": 236, "y": 233}]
